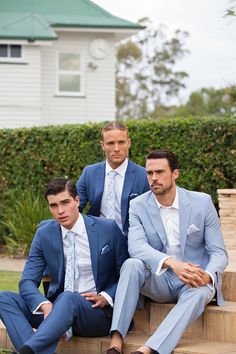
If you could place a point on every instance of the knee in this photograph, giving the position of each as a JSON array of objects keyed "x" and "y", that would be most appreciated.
[
  {"x": 66, "y": 297},
  {"x": 200, "y": 296},
  {"x": 5, "y": 295},
  {"x": 5, "y": 299},
  {"x": 133, "y": 265}
]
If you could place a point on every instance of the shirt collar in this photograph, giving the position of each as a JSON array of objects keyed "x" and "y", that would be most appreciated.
[
  {"x": 120, "y": 170},
  {"x": 175, "y": 204},
  {"x": 77, "y": 228}
]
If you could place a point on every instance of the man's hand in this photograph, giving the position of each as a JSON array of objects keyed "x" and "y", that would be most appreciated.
[
  {"x": 46, "y": 309},
  {"x": 189, "y": 273},
  {"x": 99, "y": 300}
]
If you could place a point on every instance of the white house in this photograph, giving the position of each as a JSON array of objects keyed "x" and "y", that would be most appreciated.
[{"x": 57, "y": 62}]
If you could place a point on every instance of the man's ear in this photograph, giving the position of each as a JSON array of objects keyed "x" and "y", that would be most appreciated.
[
  {"x": 129, "y": 141},
  {"x": 77, "y": 199},
  {"x": 102, "y": 144},
  {"x": 176, "y": 173}
]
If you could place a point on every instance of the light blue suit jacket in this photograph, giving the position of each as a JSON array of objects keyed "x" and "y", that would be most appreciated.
[
  {"x": 90, "y": 188},
  {"x": 108, "y": 250},
  {"x": 147, "y": 237}
]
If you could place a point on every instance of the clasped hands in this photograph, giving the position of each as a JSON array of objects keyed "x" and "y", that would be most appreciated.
[
  {"x": 189, "y": 273},
  {"x": 99, "y": 301}
]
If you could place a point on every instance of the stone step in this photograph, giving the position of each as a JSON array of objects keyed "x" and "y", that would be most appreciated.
[
  {"x": 229, "y": 285},
  {"x": 217, "y": 323},
  {"x": 132, "y": 342}
]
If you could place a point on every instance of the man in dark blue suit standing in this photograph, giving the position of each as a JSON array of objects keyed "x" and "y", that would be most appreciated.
[
  {"x": 81, "y": 303},
  {"x": 109, "y": 197}
]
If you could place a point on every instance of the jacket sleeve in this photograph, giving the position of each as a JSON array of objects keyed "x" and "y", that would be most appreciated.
[
  {"x": 82, "y": 190},
  {"x": 138, "y": 243},
  {"x": 120, "y": 254},
  {"x": 32, "y": 275},
  {"x": 214, "y": 242}
]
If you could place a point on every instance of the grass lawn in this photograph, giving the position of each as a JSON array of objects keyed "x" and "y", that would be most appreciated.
[{"x": 9, "y": 281}]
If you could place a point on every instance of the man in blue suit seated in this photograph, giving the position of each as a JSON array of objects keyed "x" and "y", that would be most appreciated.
[
  {"x": 109, "y": 186},
  {"x": 178, "y": 255},
  {"x": 84, "y": 256}
]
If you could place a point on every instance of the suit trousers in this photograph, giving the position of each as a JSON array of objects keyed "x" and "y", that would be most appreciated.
[
  {"x": 69, "y": 309},
  {"x": 135, "y": 278}
]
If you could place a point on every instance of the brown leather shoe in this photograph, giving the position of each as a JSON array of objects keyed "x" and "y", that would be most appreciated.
[{"x": 113, "y": 350}]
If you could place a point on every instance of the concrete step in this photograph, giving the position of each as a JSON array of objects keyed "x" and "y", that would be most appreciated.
[
  {"x": 229, "y": 278},
  {"x": 132, "y": 342},
  {"x": 216, "y": 324}
]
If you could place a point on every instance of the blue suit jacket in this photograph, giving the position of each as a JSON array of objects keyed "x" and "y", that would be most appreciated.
[
  {"x": 108, "y": 250},
  {"x": 201, "y": 239},
  {"x": 91, "y": 184}
]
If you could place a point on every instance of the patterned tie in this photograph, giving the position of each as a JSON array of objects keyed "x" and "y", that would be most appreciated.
[
  {"x": 111, "y": 195},
  {"x": 71, "y": 270}
]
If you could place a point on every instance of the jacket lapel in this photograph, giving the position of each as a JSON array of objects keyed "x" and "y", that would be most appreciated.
[
  {"x": 128, "y": 184},
  {"x": 99, "y": 183},
  {"x": 57, "y": 243},
  {"x": 155, "y": 216},
  {"x": 184, "y": 214},
  {"x": 93, "y": 244}
]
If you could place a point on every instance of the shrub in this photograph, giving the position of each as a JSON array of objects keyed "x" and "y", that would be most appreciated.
[
  {"x": 31, "y": 157},
  {"x": 21, "y": 218}
]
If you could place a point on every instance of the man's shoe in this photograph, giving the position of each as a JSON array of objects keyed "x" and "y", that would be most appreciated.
[{"x": 113, "y": 350}]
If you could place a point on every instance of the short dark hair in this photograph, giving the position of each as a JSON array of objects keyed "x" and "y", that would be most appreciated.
[
  {"x": 165, "y": 154},
  {"x": 114, "y": 126},
  {"x": 59, "y": 185}
]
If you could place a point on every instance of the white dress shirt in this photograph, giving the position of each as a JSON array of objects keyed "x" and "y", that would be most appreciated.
[
  {"x": 170, "y": 219},
  {"x": 85, "y": 281},
  {"x": 119, "y": 183}
]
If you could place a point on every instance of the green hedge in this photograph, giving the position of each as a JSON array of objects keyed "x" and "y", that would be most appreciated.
[{"x": 206, "y": 148}]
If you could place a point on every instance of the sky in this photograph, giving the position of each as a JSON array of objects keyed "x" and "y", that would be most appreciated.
[{"x": 212, "y": 40}]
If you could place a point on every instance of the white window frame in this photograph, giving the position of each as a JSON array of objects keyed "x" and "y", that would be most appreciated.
[
  {"x": 8, "y": 58},
  {"x": 80, "y": 72}
]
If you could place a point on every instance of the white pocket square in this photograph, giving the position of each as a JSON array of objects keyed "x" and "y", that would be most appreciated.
[
  {"x": 192, "y": 228},
  {"x": 105, "y": 249}
]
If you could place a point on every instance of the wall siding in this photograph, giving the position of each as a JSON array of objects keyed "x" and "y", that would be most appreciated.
[
  {"x": 98, "y": 102},
  {"x": 20, "y": 90}
]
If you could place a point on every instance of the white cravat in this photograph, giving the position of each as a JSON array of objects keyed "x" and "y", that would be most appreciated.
[
  {"x": 71, "y": 272},
  {"x": 85, "y": 282},
  {"x": 119, "y": 183},
  {"x": 111, "y": 195}
]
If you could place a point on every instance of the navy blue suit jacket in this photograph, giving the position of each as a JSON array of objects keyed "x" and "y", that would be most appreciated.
[
  {"x": 90, "y": 188},
  {"x": 108, "y": 250}
]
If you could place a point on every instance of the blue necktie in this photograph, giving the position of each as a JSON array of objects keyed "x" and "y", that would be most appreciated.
[
  {"x": 71, "y": 271},
  {"x": 111, "y": 195}
]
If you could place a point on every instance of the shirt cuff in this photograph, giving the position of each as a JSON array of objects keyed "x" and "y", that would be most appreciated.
[
  {"x": 107, "y": 297},
  {"x": 36, "y": 312},
  {"x": 161, "y": 270},
  {"x": 212, "y": 284}
]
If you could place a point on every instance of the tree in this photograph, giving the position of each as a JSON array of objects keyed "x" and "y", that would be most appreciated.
[
  {"x": 231, "y": 11},
  {"x": 210, "y": 101},
  {"x": 146, "y": 76}
]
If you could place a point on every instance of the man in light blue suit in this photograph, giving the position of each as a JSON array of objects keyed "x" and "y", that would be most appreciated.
[
  {"x": 96, "y": 252},
  {"x": 130, "y": 178},
  {"x": 178, "y": 255}
]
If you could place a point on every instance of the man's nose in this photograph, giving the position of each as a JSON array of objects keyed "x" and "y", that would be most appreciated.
[
  {"x": 116, "y": 147},
  {"x": 155, "y": 176},
  {"x": 60, "y": 209}
]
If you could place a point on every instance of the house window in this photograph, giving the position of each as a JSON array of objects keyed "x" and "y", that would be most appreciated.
[
  {"x": 69, "y": 73},
  {"x": 10, "y": 51}
]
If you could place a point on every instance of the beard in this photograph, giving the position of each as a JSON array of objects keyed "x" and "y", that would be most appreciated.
[{"x": 158, "y": 189}]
